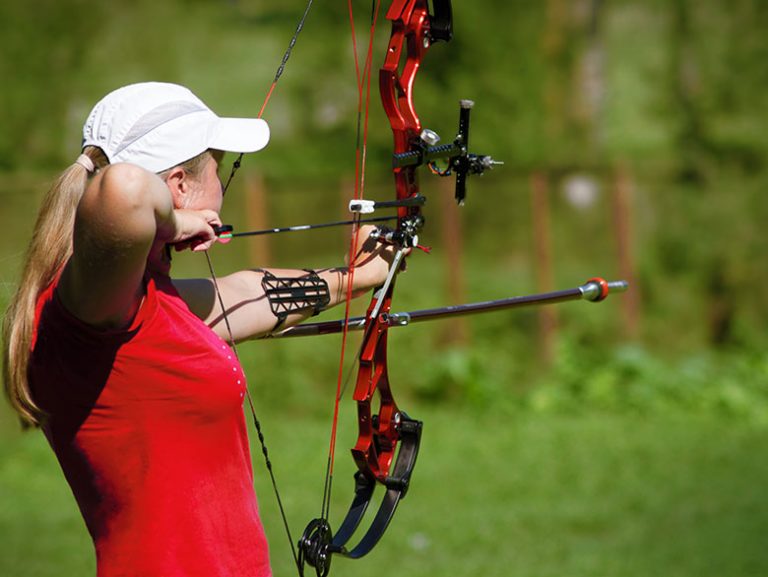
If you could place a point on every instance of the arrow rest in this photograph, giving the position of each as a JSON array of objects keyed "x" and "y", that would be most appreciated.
[{"x": 406, "y": 235}]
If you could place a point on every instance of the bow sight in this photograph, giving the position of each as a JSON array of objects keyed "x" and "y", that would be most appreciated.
[{"x": 427, "y": 151}]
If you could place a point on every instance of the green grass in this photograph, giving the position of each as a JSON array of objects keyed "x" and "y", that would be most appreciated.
[{"x": 493, "y": 494}]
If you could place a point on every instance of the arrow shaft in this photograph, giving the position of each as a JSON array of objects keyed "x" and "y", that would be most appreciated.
[{"x": 304, "y": 227}]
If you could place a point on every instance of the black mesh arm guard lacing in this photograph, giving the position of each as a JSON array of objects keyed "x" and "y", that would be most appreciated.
[{"x": 287, "y": 295}]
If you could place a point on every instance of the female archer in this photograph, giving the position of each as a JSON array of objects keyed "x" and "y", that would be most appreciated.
[{"x": 128, "y": 372}]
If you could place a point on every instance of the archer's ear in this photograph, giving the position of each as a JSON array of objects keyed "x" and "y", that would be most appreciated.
[{"x": 177, "y": 181}]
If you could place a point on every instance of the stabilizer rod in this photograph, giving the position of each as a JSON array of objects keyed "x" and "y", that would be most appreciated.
[{"x": 594, "y": 290}]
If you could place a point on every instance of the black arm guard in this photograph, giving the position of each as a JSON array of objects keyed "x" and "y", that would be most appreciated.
[{"x": 295, "y": 294}]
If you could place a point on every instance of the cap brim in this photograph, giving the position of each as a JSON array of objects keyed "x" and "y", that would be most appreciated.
[{"x": 239, "y": 135}]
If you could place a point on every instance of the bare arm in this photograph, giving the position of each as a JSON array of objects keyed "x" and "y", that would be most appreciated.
[
  {"x": 125, "y": 215},
  {"x": 248, "y": 310}
]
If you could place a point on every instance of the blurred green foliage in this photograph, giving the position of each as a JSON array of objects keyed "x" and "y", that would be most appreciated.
[
  {"x": 665, "y": 83},
  {"x": 668, "y": 91}
]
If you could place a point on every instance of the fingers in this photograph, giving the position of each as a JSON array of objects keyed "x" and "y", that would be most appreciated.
[
  {"x": 372, "y": 243},
  {"x": 195, "y": 229},
  {"x": 374, "y": 258}
]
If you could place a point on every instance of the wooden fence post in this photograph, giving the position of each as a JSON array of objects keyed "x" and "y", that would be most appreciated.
[
  {"x": 452, "y": 241},
  {"x": 622, "y": 218},
  {"x": 257, "y": 218},
  {"x": 542, "y": 241}
]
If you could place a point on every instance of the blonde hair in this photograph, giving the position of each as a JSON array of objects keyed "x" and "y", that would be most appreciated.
[
  {"x": 194, "y": 166},
  {"x": 48, "y": 252}
]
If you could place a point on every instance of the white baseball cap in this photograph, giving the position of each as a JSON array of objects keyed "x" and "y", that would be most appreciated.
[{"x": 158, "y": 125}]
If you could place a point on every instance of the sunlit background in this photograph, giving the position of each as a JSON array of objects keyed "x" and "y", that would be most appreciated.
[{"x": 625, "y": 438}]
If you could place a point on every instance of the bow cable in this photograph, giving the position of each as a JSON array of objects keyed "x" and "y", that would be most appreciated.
[
  {"x": 235, "y": 166},
  {"x": 363, "y": 108},
  {"x": 256, "y": 422},
  {"x": 278, "y": 74}
]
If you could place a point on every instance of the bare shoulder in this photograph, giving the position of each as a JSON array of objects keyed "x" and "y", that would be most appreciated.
[{"x": 115, "y": 186}]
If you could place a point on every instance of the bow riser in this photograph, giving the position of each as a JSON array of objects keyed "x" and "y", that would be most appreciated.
[
  {"x": 410, "y": 30},
  {"x": 397, "y": 88},
  {"x": 377, "y": 435}
]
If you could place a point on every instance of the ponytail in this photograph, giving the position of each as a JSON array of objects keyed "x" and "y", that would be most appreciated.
[{"x": 48, "y": 252}]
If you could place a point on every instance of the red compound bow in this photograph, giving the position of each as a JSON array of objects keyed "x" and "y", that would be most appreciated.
[{"x": 388, "y": 439}]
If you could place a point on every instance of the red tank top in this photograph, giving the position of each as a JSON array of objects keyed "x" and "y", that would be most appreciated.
[{"x": 148, "y": 427}]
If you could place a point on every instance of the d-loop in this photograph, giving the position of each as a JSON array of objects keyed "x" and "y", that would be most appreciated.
[{"x": 318, "y": 544}]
